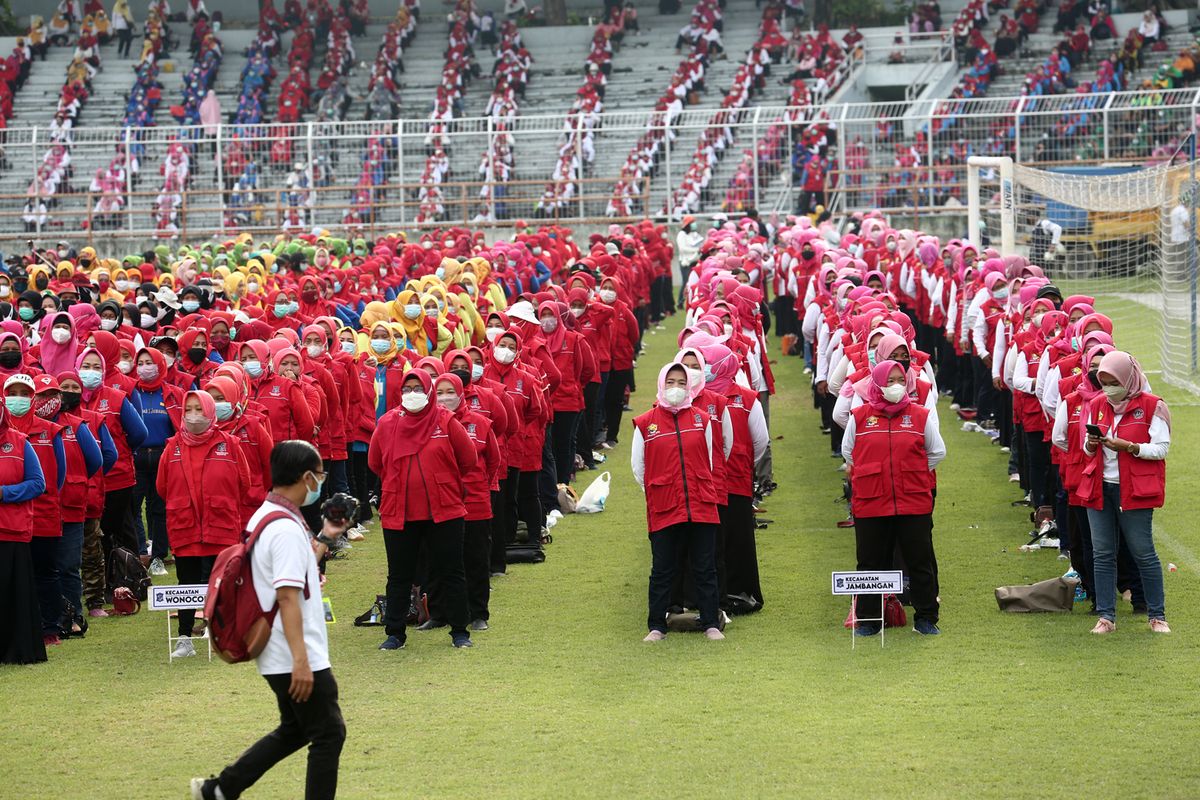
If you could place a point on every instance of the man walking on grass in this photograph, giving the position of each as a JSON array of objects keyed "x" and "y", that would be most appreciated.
[{"x": 295, "y": 661}]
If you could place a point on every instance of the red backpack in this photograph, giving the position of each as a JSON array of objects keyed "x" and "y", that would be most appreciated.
[{"x": 237, "y": 625}]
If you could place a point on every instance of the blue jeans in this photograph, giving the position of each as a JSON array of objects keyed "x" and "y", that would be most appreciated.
[
  {"x": 1136, "y": 527},
  {"x": 70, "y": 559}
]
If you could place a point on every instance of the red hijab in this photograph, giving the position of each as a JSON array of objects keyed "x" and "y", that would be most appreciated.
[{"x": 415, "y": 428}]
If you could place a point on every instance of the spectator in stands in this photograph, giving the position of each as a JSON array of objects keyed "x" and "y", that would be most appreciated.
[
  {"x": 1103, "y": 27},
  {"x": 1148, "y": 27}
]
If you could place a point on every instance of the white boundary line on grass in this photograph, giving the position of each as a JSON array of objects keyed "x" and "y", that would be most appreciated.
[{"x": 1183, "y": 553}]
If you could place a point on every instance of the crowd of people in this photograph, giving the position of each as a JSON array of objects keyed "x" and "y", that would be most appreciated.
[
  {"x": 892, "y": 320},
  {"x": 143, "y": 397}
]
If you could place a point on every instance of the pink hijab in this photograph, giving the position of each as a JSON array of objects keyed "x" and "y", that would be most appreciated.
[
  {"x": 55, "y": 357},
  {"x": 1128, "y": 372},
  {"x": 879, "y": 379},
  {"x": 692, "y": 388}
]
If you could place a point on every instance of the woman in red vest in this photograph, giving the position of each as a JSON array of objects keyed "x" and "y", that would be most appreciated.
[
  {"x": 673, "y": 463},
  {"x": 21, "y": 480},
  {"x": 203, "y": 478},
  {"x": 577, "y": 364},
  {"x": 46, "y": 510},
  {"x": 1123, "y": 480},
  {"x": 421, "y": 453},
  {"x": 892, "y": 445},
  {"x": 254, "y": 439},
  {"x": 478, "y": 482}
]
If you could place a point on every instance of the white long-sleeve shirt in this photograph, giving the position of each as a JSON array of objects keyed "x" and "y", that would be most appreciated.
[
  {"x": 935, "y": 448},
  {"x": 843, "y": 410}
]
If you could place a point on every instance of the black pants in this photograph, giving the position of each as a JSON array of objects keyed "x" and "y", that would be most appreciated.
[
  {"x": 547, "y": 483},
  {"x": 504, "y": 503},
  {"x": 614, "y": 401},
  {"x": 876, "y": 539},
  {"x": 477, "y": 547},
  {"x": 1038, "y": 456},
  {"x": 1004, "y": 416},
  {"x": 317, "y": 722},
  {"x": 964, "y": 390},
  {"x": 191, "y": 569},
  {"x": 44, "y": 550},
  {"x": 1080, "y": 531},
  {"x": 125, "y": 35},
  {"x": 115, "y": 523},
  {"x": 529, "y": 507},
  {"x": 444, "y": 541},
  {"x": 145, "y": 461},
  {"x": 562, "y": 431},
  {"x": 584, "y": 430},
  {"x": 361, "y": 482},
  {"x": 985, "y": 392},
  {"x": 665, "y": 548},
  {"x": 786, "y": 320},
  {"x": 740, "y": 551}
]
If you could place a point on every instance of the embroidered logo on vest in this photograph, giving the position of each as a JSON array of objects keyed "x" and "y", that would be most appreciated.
[
  {"x": 275, "y": 392},
  {"x": 104, "y": 405},
  {"x": 652, "y": 428},
  {"x": 221, "y": 449},
  {"x": 1138, "y": 413},
  {"x": 872, "y": 421},
  {"x": 906, "y": 421},
  {"x": 6, "y": 447}
]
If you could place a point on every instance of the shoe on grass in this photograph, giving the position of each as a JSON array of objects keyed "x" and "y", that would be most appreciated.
[
  {"x": 1160, "y": 626},
  {"x": 206, "y": 789},
  {"x": 1104, "y": 625},
  {"x": 97, "y": 612},
  {"x": 392, "y": 643},
  {"x": 184, "y": 648},
  {"x": 713, "y": 634},
  {"x": 479, "y": 625},
  {"x": 867, "y": 629},
  {"x": 50, "y": 639},
  {"x": 462, "y": 640},
  {"x": 654, "y": 636},
  {"x": 157, "y": 567},
  {"x": 925, "y": 627}
]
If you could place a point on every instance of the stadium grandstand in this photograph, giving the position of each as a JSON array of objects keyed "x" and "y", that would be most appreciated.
[{"x": 376, "y": 116}]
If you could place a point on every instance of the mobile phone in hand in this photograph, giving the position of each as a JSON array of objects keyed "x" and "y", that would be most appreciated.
[{"x": 1094, "y": 430}]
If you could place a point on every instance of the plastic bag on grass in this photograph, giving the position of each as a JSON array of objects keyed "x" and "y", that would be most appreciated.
[{"x": 595, "y": 496}]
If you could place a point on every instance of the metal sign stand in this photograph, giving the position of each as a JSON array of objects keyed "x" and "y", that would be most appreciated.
[{"x": 855, "y": 619}]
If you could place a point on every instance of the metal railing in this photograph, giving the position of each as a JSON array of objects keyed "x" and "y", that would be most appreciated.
[{"x": 881, "y": 153}]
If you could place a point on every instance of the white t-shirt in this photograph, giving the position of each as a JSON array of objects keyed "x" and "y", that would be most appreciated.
[{"x": 283, "y": 556}]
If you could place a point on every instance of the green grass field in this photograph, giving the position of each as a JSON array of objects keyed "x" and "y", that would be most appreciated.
[{"x": 562, "y": 699}]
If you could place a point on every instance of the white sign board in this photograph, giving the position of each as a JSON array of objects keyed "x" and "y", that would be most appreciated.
[
  {"x": 171, "y": 598},
  {"x": 868, "y": 582}
]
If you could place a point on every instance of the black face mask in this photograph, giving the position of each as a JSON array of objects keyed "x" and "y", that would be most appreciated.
[
  {"x": 1093, "y": 376},
  {"x": 20, "y": 285},
  {"x": 10, "y": 358},
  {"x": 903, "y": 362},
  {"x": 197, "y": 354},
  {"x": 41, "y": 283},
  {"x": 463, "y": 375},
  {"x": 806, "y": 253},
  {"x": 627, "y": 253},
  {"x": 70, "y": 400}
]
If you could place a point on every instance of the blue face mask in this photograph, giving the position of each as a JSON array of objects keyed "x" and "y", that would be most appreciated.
[
  {"x": 281, "y": 310},
  {"x": 191, "y": 306},
  {"x": 313, "y": 494},
  {"x": 476, "y": 372},
  {"x": 441, "y": 306},
  {"x": 381, "y": 346},
  {"x": 412, "y": 311},
  {"x": 90, "y": 378},
  {"x": 253, "y": 368},
  {"x": 441, "y": 273},
  {"x": 708, "y": 374},
  {"x": 1075, "y": 343},
  {"x": 337, "y": 286},
  {"x": 293, "y": 307},
  {"x": 224, "y": 410},
  {"x": 17, "y": 406}
]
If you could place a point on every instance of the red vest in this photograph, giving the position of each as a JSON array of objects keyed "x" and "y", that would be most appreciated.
[
  {"x": 678, "y": 479},
  {"x": 1143, "y": 482},
  {"x": 891, "y": 474},
  {"x": 218, "y": 519},
  {"x": 75, "y": 488},
  {"x": 1070, "y": 464},
  {"x": 47, "y": 510},
  {"x": 427, "y": 484},
  {"x": 739, "y": 468},
  {"x": 96, "y": 483},
  {"x": 16, "y": 519},
  {"x": 715, "y": 404},
  {"x": 106, "y": 401}
]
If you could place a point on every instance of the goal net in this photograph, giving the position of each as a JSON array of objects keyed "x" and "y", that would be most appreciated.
[{"x": 1125, "y": 235}]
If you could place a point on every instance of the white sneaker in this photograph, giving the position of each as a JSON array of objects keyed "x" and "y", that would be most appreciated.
[
  {"x": 555, "y": 515},
  {"x": 955, "y": 406},
  {"x": 550, "y": 522},
  {"x": 353, "y": 536},
  {"x": 183, "y": 648},
  {"x": 157, "y": 567},
  {"x": 1014, "y": 478}
]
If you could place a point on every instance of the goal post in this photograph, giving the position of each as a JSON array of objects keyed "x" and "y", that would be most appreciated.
[{"x": 1124, "y": 234}]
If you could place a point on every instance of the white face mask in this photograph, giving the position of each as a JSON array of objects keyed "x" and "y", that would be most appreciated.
[
  {"x": 505, "y": 356},
  {"x": 1115, "y": 393},
  {"x": 578, "y": 312},
  {"x": 493, "y": 333},
  {"x": 315, "y": 351},
  {"x": 169, "y": 359},
  {"x": 894, "y": 393},
  {"x": 1037, "y": 318},
  {"x": 126, "y": 367},
  {"x": 108, "y": 324},
  {"x": 674, "y": 396},
  {"x": 728, "y": 330},
  {"x": 60, "y": 335},
  {"x": 122, "y": 286},
  {"x": 608, "y": 295},
  {"x": 449, "y": 402},
  {"x": 5, "y": 290},
  {"x": 349, "y": 347},
  {"x": 148, "y": 321},
  {"x": 414, "y": 401}
]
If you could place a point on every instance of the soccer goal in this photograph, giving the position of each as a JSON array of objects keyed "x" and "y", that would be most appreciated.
[{"x": 1123, "y": 234}]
